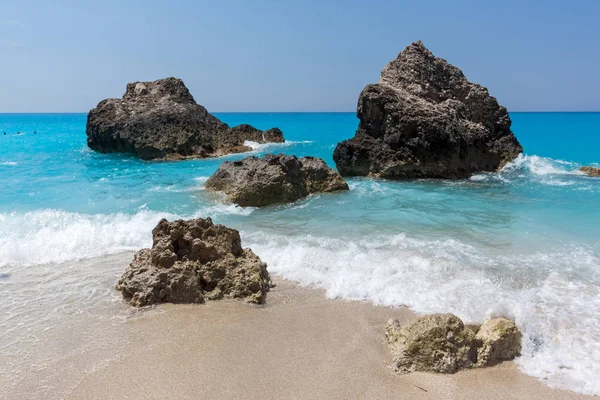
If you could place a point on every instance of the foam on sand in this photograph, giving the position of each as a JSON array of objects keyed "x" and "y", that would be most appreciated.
[{"x": 559, "y": 316}]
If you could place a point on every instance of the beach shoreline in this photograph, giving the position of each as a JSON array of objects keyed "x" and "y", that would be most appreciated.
[{"x": 300, "y": 344}]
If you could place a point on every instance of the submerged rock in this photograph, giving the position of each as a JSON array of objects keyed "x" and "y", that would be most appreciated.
[
  {"x": 161, "y": 120},
  {"x": 442, "y": 343},
  {"x": 257, "y": 182},
  {"x": 193, "y": 261},
  {"x": 424, "y": 119},
  {"x": 591, "y": 171}
]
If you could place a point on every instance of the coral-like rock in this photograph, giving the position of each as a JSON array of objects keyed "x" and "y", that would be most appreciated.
[
  {"x": 442, "y": 343},
  {"x": 499, "y": 340},
  {"x": 438, "y": 343},
  {"x": 193, "y": 261}
]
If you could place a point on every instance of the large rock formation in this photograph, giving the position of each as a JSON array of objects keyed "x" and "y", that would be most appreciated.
[
  {"x": 257, "y": 182},
  {"x": 193, "y": 261},
  {"x": 161, "y": 120},
  {"x": 442, "y": 343},
  {"x": 591, "y": 171},
  {"x": 424, "y": 119}
]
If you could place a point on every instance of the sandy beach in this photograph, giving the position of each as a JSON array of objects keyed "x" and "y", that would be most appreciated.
[{"x": 300, "y": 345}]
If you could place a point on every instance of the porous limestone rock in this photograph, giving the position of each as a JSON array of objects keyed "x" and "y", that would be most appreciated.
[
  {"x": 193, "y": 261},
  {"x": 442, "y": 343},
  {"x": 273, "y": 179},
  {"x": 438, "y": 343},
  {"x": 498, "y": 340}
]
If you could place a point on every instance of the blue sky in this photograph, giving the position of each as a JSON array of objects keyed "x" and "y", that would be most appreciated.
[{"x": 236, "y": 55}]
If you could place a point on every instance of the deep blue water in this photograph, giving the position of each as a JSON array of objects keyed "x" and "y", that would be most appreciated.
[{"x": 523, "y": 242}]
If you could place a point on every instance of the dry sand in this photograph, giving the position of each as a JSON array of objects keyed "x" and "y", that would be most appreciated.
[{"x": 301, "y": 345}]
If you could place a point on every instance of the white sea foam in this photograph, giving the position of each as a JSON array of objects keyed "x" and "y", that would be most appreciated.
[
  {"x": 559, "y": 316},
  {"x": 540, "y": 166},
  {"x": 54, "y": 236},
  {"x": 551, "y": 295},
  {"x": 8, "y": 163},
  {"x": 51, "y": 236},
  {"x": 261, "y": 147},
  {"x": 542, "y": 170}
]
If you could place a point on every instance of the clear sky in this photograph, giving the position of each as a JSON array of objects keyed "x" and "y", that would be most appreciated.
[{"x": 302, "y": 55}]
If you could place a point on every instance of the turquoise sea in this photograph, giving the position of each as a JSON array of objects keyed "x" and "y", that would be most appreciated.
[{"x": 523, "y": 242}]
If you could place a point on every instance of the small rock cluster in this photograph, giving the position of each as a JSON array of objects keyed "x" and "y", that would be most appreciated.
[{"x": 442, "y": 343}]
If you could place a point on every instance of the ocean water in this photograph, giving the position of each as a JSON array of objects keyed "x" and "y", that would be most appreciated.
[{"x": 522, "y": 243}]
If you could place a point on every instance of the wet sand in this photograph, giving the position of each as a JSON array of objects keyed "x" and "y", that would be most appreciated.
[{"x": 299, "y": 346}]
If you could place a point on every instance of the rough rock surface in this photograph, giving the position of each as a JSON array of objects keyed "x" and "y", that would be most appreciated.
[
  {"x": 591, "y": 171},
  {"x": 438, "y": 343},
  {"x": 161, "y": 120},
  {"x": 193, "y": 261},
  {"x": 442, "y": 343},
  {"x": 257, "y": 182},
  {"x": 424, "y": 119},
  {"x": 498, "y": 340}
]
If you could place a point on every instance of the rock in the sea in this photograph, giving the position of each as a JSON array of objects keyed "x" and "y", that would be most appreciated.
[
  {"x": 193, "y": 261},
  {"x": 498, "y": 340},
  {"x": 424, "y": 119},
  {"x": 161, "y": 120},
  {"x": 257, "y": 182},
  {"x": 591, "y": 171},
  {"x": 442, "y": 343}
]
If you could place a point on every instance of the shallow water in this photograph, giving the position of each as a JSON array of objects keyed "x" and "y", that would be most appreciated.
[{"x": 523, "y": 242}]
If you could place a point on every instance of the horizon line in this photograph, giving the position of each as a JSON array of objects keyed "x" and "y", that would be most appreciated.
[{"x": 279, "y": 112}]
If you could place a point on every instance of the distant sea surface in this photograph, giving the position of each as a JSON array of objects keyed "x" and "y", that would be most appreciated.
[{"x": 523, "y": 242}]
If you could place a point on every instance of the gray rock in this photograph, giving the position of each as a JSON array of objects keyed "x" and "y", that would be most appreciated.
[
  {"x": 257, "y": 182},
  {"x": 424, "y": 119},
  {"x": 161, "y": 120},
  {"x": 442, "y": 343},
  {"x": 590, "y": 171},
  {"x": 193, "y": 261}
]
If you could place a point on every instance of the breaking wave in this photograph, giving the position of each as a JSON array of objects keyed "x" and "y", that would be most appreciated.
[{"x": 558, "y": 315}]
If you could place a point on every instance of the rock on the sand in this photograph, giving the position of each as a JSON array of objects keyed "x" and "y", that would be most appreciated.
[
  {"x": 424, "y": 119},
  {"x": 498, "y": 340},
  {"x": 161, "y": 120},
  {"x": 442, "y": 343},
  {"x": 193, "y": 261},
  {"x": 257, "y": 182}
]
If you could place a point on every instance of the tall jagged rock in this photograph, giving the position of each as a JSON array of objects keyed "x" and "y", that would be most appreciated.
[
  {"x": 161, "y": 120},
  {"x": 424, "y": 119}
]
